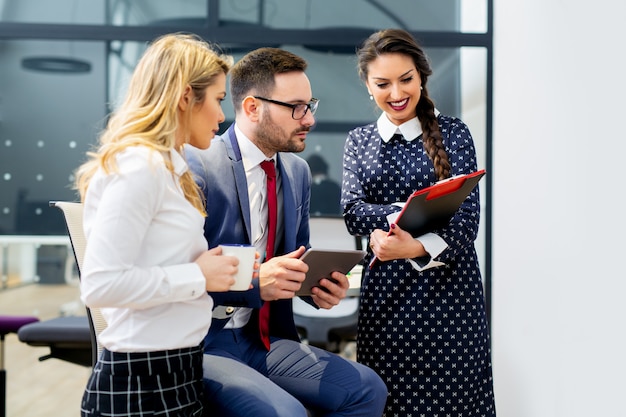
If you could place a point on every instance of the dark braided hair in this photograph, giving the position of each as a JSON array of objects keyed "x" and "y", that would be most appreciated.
[{"x": 399, "y": 41}]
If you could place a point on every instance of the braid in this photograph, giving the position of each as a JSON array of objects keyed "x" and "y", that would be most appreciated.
[{"x": 431, "y": 136}]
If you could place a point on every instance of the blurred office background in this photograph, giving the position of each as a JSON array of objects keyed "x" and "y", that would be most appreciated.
[
  {"x": 537, "y": 82},
  {"x": 65, "y": 65}
]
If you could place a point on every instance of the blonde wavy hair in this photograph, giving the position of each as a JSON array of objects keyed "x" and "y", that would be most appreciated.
[{"x": 148, "y": 114}]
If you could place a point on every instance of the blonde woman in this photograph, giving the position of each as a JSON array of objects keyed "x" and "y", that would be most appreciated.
[{"x": 146, "y": 264}]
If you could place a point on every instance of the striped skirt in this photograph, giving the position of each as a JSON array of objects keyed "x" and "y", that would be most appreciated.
[{"x": 137, "y": 384}]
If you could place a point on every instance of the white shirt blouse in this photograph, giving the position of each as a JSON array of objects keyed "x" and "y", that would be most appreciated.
[{"x": 142, "y": 238}]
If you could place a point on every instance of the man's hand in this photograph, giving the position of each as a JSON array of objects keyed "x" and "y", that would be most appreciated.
[
  {"x": 334, "y": 290},
  {"x": 282, "y": 276}
]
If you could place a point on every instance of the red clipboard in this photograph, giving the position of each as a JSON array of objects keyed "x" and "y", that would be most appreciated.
[{"x": 432, "y": 207}]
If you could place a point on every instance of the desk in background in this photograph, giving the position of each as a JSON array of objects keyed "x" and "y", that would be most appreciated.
[{"x": 19, "y": 258}]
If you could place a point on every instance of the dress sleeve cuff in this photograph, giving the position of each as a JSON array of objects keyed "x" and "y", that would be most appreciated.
[{"x": 434, "y": 245}]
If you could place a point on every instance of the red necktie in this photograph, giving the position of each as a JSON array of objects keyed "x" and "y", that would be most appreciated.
[{"x": 272, "y": 215}]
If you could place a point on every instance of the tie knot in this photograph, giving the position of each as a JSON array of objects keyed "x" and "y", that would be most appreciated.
[{"x": 268, "y": 167}]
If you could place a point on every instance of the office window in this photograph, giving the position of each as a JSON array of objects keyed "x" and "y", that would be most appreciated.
[
  {"x": 53, "y": 12},
  {"x": 467, "y": 16},
  {"x": 50, "y": 113},
  {"x": 59, "y": 87},
  {"x": 66, "y": 63}
]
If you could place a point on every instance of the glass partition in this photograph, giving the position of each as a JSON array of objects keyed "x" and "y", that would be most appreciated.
[
  {"x": 66, "y": 63},
  {"x": 53, "y": 12},
  {"x": 52, "y": 97},
  {"x": 465, "y": 16}
]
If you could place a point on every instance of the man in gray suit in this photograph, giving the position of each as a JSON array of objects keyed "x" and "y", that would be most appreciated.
[{"x": 274, "y": 111}]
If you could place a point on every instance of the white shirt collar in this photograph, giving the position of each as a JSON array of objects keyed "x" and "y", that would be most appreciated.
[
  {"x": 251, "y": 155},
  {"x": 411, "y": 129},
  {"x": 178, "y": 162}
]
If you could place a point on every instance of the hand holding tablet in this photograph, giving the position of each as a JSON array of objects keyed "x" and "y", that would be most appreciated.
[{"x": 323, "y": 262}]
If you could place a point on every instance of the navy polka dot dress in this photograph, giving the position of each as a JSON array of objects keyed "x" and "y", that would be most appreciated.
[{"x": 425, "y": 333}]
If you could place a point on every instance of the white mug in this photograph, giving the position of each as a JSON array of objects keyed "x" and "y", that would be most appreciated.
[{"x": 246, "y": 255}]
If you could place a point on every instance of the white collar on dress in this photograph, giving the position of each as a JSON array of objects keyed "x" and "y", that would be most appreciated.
[{"x": 411, "y": 129}]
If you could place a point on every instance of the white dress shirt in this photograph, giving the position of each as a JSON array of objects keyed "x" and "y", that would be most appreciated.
[
  {"x": 411, "y": 130},
  {"x": 142, "y": 238},
  {"x": 257, "y": 192}
]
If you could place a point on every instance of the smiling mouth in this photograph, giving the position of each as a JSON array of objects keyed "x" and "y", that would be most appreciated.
[{"x": 399, "y": 105}]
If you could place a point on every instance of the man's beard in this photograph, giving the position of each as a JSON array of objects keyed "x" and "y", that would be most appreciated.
[{"x": 270, "y": 136}]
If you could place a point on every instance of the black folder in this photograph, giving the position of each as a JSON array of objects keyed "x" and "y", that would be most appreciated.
[{"x": 432, "y": 207}]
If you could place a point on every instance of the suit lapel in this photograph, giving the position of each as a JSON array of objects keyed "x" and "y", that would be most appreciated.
[
  {"x": 289, "y": 204},
  {"x": 239, "y": 172}
]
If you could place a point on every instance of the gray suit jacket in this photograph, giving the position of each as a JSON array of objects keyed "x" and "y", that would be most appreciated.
[{"x": 220, "y": 173}]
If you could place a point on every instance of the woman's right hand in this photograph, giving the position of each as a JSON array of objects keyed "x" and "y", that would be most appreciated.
[
  {"x": 395, "y": 244},
  {"x": 219, "y": 271}
]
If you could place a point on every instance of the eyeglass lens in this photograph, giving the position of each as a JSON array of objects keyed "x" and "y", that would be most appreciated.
[{"x": 299, "y": 110}]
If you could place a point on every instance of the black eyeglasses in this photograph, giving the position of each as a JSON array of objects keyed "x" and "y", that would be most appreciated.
[{"x": 298, "y": 111}]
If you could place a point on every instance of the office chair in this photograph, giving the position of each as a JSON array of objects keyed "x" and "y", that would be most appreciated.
[
  {"x": 73, "y": 214},
  {"x": 68, "y": 338},
  {"x": 73, "y": 339}
]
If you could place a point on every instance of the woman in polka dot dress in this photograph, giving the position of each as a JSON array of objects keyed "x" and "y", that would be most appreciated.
[{"x": 422, "y": 323}]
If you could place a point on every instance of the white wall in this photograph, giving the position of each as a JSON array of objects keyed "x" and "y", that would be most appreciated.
[{"x": 559, "y": 314}]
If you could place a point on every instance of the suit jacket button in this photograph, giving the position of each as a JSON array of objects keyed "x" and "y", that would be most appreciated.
[{"x": 230, "y": 310}]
